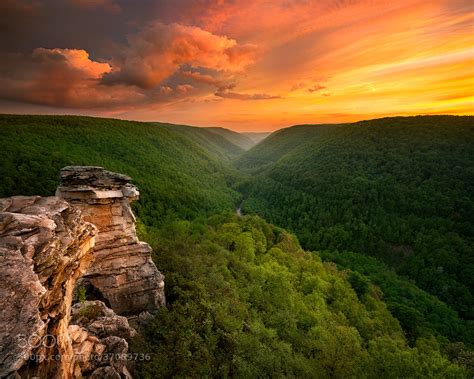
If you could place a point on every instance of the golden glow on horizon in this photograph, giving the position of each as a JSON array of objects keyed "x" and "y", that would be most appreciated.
[
  {"x": 415, "y": 60},
  {"x": 291, "y": 63}
]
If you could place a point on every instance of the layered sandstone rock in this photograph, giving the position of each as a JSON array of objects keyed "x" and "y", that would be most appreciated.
[
  {"x": 45, "y": 245},
  {"x": 123, "y": 274}
]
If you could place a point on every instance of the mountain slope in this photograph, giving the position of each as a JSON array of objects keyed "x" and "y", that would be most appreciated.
[
  {"x": 277, "y": 145},
  {"x": 181, "y": 170},
  {"x": 224, "y": 143},
  {"x": 238, "y": 139},
  {"x": 398, "y": 189}
]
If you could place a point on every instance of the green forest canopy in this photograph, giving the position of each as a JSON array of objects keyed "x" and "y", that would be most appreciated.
[
  {"x": 178, "y": 169},
  {"x": 397, "y": 189},
  {"x": 244, "y": 300},
  {"x": 389, "y": 199}
]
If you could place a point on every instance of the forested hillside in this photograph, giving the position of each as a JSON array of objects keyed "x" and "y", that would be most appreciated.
[
  {"x": 245, "y": 301},
  {"x": 400, "y": 190},
  {"x": 179, "y": 169},
  {"x": 387, "y": 205}
]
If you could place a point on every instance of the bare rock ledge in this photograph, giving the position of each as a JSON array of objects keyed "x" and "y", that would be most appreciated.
[{"x": 86, "y": 234}]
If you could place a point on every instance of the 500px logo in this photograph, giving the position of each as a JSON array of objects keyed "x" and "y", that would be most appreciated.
[
  {"x": 35, "y": 340},
  {"x": 43, "y": 357}
]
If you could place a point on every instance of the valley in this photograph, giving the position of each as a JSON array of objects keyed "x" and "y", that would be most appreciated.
[
  {"x": 373, "y": 269},
  {"x": 398, "y": 190},
  {"x": 236, "y": 189}
]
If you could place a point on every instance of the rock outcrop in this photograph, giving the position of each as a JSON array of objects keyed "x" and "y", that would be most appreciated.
[
  {"x": 99, "y": 338},
  {"x": 84, "y": 235},
  {"x": 123, "y": 274},
  {"x": 45, "y": 245}
]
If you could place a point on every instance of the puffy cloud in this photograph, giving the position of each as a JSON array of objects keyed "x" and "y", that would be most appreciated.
[
  {"x": 165, "y": 90},
  {"x": 158, "y": 64},
  {"x": 69, "y": 78},
  {"x": 159, "y": 50},
  {"x": 57, "y": 77},
  {"x": 107, "y": 5},
  {"x": 201, "y": 78},
  {"x": 184, "y": 89},
  {"x": 73, "y": 59}
]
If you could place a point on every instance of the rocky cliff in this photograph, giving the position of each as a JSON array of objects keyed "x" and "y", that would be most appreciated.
[
  {"x": 123, "y": 274},
  {"x": 50, "y": 244}
]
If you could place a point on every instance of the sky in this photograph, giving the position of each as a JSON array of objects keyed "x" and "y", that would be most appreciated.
[{"x": 246, "y": 65}]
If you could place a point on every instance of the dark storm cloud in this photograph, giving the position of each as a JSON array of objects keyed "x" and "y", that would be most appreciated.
[
  {"x": 107, "y": 5},
  {"x": 61, "y": 24}
]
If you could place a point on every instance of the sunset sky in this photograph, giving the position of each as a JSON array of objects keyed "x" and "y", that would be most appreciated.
[{"x": 245, "y": 65}]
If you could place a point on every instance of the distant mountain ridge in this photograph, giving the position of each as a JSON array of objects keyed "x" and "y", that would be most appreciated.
[
  {"x": 244, "y": 140},
  {"x": 257, "y": 137},
  {"x": 238, "y": 139}
]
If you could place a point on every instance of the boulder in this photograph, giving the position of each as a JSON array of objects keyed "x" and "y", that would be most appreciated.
[
  {"x": 105, "y": 321},
  {"x": 98, "y": 338}
]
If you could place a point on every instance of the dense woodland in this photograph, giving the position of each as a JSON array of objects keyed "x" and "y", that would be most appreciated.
[
  {"x": 246, "y": 301},
  {"x": 387, "y": 205},
  {"x": 398, "y": 189},
  {"x": 179, "y": 169}
]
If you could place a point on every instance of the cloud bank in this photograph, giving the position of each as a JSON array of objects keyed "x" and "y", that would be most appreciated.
[
  {"x": 138, "y": 73},
  {"x": 159, "y": 50},
  {"x": 64, "y": 77}
]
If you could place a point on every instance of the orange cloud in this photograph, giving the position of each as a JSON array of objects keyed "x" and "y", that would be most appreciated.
[
  {"x": 184, "y": 89},
  {"x": 76, "y": 60},
  {"x": 135, "y": 79},
  {"x": 317, "y": 87},
  {"x": 208, "y": 79},
  {"x": 57, "y": 77},
  {"x": 158, "y": 51},
  {"x": 245, "y": 96}
]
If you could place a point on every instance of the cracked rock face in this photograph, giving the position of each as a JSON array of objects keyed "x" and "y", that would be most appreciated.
[
  {"x": 45, "y": 245},
  {"x": 123, "y": 274},
  {"x": 50, "y": 244},
  {"x": 99, "y": 340}
]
